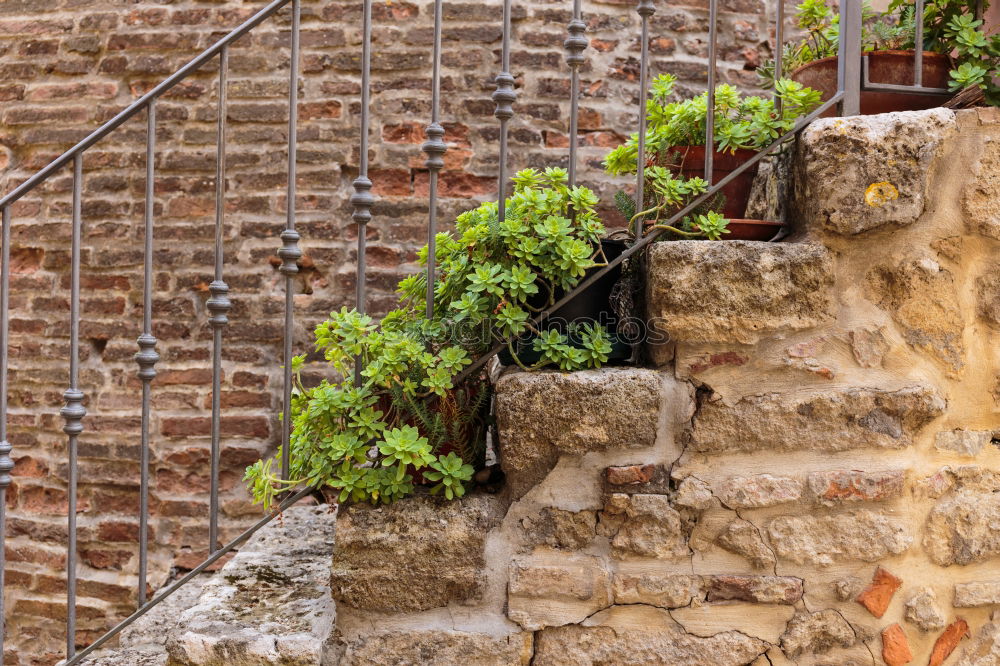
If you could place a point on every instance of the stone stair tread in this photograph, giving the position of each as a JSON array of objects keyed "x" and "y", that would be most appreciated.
[{"x": 270, "y": 604}]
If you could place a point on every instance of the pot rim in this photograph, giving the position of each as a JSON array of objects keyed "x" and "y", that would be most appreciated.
[{"x": 928, "y": 55}]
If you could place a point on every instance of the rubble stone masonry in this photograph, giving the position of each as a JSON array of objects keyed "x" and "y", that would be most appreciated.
[{"x": 68, "y": 65}]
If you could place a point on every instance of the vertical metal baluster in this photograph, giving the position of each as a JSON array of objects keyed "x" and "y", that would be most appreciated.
[
  {"x": 713, "y": 20},
  {"x": 504, "y": 97},
  {"x": 918, "y": 45},
  {"x": 434, "y": 148},
  {"x": 645, "y": 10},
  {"x": 74, "y": 411},
  {"x": 289, "y": 252},
  {"x": 6, "y": 464},
  {"x": 362, "y": 199},
  {"x": 575, "y": 45},
  {"x": 146, "y": 357},
  {"x": 218, "y": 304},
  {"x": 849, "y": 57},
  {"x": 779, "y": 50}
]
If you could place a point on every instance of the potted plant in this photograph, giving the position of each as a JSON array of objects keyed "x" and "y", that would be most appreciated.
[
  {"x": 675, "y": 156},
  {"x": 406, "y": 422},
  {"x": 957, "y": 53}
]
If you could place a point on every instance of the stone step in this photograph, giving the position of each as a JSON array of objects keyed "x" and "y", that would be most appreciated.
[{"x": 270, "y": 604}]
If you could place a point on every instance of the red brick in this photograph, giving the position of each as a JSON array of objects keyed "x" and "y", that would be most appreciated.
[
  {"x": 895, "y": 647},
  {"x": 948, "y": 641},
  {"x": 879, "y": 593},
  {"x": 856, "y": 486},
  {"x": 105, "y": 558},
  {"x": 630, "y": 475}
]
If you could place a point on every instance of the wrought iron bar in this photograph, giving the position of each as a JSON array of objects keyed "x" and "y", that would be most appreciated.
[
  {"x": 645, "y": 10},
  {"x": 434, "y": 148},
  {"x": 576, "y": 43},
  {"x": 142, "y": 102},
  {"x": 779, "y": 50},
  {"x": 504, "y": 97},
  {"x": 849, "y": 57},
  {"x": 218, "y": 303},
  {"x": 918, "y": 45},
  {"x": 146, "y": 357},
  {"x": 74, "y": 411},
  {"x": 173, "y": 587},
  {"x": 713, "y": 29},
  {"x": 289, "y": 252},
  {"x": 362, "y": 199},
  {"x": 6, "y": 463},
  {"x": 650, "y": 237}
]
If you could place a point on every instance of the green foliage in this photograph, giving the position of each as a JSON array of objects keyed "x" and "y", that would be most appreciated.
[
  {"x": 741, "y": 122},
  {"x": 371, "y": 440},
  {"x": 950, "y": 28}
]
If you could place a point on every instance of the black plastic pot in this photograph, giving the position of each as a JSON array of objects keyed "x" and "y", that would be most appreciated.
[{"x": 593, "y": 305}]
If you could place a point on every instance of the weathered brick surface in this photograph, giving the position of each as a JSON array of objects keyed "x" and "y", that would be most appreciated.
[{"x": 65, "y": 67}]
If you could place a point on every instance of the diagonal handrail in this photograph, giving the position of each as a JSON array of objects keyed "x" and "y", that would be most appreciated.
[
  {"x": 141, "y": 103},
  {"x": 652, "y": 236}
]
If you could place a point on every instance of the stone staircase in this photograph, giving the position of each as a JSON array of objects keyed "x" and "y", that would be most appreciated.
[
  {"x": 270, "y": 604},
  {"x": 808, "y": 474}
]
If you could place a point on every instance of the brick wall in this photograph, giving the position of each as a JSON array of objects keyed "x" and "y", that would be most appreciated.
[{"x": 68, "y": 65}]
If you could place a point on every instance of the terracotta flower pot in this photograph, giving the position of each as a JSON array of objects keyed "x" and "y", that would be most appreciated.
[
  {"x": 895, "y": 67},
  {"x": 752, "y": 230},
  {"x": 737, "y": 191}
]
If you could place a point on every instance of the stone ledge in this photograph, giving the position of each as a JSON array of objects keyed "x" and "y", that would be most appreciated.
[
  {"x": 867, "y": 172},
  {"x": 270, "y": 604},
  {"x": 420, "y": 553},
  {"x": 412, "y": 647},
  {"x": 833, "y": 420},
  {"x": 542, "y": 415},
  {"x": 736, "y": 291}
]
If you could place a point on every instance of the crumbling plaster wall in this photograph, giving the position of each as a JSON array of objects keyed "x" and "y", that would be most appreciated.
[{"x": 810, "y": 474}]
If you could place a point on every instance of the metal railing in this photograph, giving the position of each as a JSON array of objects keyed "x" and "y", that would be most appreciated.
[{"x": 851, "y": 81}]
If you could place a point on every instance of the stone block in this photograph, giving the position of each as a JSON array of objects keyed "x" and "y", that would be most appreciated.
[
  {"x": 988, "y": 294},
  {"x": 981, "y": 198},
  {"x": 743, "y": 538},
  {"x": 755, "y": 589},
  {"x": 984, "y": 650},
  {"x": 832, "y": 420},
  {"x": 638, "y": 636},
  {"x": 738, "y": 291},
  {"x": 811, "y": 633},
  {"x": 416, "y": 554},
  {"x": 435, "y": 646},
  {"x": 656, "y": 589},
  {"x": 864, "y": 535},
  {"x": 760, "y": 490},
  {"x": 270, "y": 604},
  {"x": 542, "y": 415},
  {"x": 557, "y": 528},
  {"x": 867, "y": 172},
  {"x": 648, "y": 526},
  {"x": 963, "y": 442},
  {"x": 922, "y": 609},
  {"x": 922, "y": 298},
  {"x": 840, "y": 486},
  {"x": 980, "y": 593},
  {"x": 961, "y": 529},
  {"x": 549, "y": 590}
]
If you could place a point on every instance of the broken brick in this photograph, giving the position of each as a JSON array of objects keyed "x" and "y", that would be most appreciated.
[
  {"x": 895, "y": 647},
  {"x": 878, "y": 594},
  {"x": 948, "y": 641}
]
